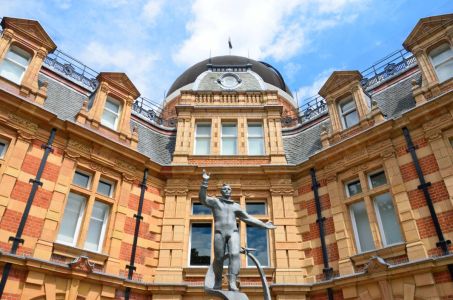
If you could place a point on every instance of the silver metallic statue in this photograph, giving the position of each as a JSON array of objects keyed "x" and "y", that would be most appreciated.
[{"x": 225, "y": 212}]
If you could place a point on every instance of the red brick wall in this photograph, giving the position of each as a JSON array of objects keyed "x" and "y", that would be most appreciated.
[
  {"x": 437, "y": 190},
  {"x": 427, "y": 163}
]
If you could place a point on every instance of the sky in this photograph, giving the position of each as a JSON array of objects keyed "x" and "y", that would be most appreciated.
[{"x": 155, "y": 41}]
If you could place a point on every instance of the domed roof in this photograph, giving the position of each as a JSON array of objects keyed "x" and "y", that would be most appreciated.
[{"x": 267, "y": 72}]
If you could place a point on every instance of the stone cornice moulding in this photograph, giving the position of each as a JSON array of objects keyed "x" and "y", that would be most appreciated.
[{"x": 337, "y": 81}]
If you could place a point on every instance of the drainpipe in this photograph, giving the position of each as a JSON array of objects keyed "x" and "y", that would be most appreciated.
[
  {"x": 320, "y": 220},
  {"x": 442, "y": 243},
  {"x": 138, "y": 217},
  {"x": 17, "y": 239}
]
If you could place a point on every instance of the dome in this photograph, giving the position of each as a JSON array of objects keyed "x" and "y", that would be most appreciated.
[{"x": 267, "y": 72}]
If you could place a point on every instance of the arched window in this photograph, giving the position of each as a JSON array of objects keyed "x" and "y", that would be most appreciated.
[
  {"x": 442, "y": 59},
  {"x": 15, "y": 64}
]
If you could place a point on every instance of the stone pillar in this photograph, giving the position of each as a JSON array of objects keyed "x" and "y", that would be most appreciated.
[
  {"x": 334, "y": 115},
  {"x": 5, "y": 42},
  {"x": 97, "y": 109},
  {"x": 30, "y": 80}
]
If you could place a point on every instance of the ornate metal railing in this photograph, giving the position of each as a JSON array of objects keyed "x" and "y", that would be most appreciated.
[{"x": 151, "y": 111}]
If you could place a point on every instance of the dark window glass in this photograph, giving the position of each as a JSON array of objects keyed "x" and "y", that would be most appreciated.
[
  {"x": 257, "y": 239},
  {"x": 2, "y": 149},
  {"x": 200, "y": 209},
  {"x": 378, "y": 179},
  {"x": 105, "y": 188},
  {"x": 81, "y": 179},
  {"x": 354, "y": 188},
  {"x": 200, "y": 245},
  {"x": 256, "y": 208},
  {"x": 351, "y": 119}
]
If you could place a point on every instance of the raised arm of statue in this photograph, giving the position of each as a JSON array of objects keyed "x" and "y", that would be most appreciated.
[
  {"x": 204, "y": 199},
  {"x": 244, "y": 216}
]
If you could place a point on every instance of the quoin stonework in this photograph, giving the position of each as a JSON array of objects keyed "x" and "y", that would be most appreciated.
[{"x": 99, "y": 186}]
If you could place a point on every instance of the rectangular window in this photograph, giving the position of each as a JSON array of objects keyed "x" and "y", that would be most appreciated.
[
  {"x": 257, "y": 239},
  {"x": 255, "y": 139},
  {"x": 361, "y": 225},
  {"x": 200, "y": 209},
  {"x": 111, "y": 113},
  {"x": 81, "y": 179},
  {"x": 387, "y": 220},
  {"x": 442, "y": 59},
  {"x": 256, "y": 208},
  {"x": 3, "y": 147},
  {"x": 14, "y": 64},
  {"x": 72, "y": 219},
  {"x": 105, "y": 188},
  {"x": 229, "y": 139},
  {"x": 353, "y": 188},
  {"x": 348, "y": 110},
  {"x": 203, "y": 139},
  {"x": 377, "y": 179},
  {"x": 200, "y": 244},
  {"x": 97, "y": 227}
]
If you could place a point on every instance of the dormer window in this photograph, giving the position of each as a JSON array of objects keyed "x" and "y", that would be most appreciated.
[
  {"x": 15, "y": 64},
  {"x": 442, "y": 60},
  {"x": 348, "y": 111},
  {"x": 111, "y": 114}
]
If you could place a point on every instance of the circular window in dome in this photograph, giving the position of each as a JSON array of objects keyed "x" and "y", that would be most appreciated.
[{"x": 229, "y": 81}]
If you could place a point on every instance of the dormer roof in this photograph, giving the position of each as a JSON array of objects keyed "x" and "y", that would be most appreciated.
[
  {"x": 337, "y": 80},
  {"x": 119, "y": 81},
  {"x": 30, "y": 30}
]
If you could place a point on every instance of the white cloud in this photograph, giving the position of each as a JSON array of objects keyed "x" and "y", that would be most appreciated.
[
  {"x": 151, "y": 10},
  {"x": 260, "y": 28},
  {"x": 308, "y": 91}
]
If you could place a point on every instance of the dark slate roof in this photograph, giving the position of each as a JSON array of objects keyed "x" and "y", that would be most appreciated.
[
  {"x": 301, "y": 145},
  {"x": 397, "y": 98},
  {"x": 62, "y": 100},
  {"x": 157, "y": 146}
]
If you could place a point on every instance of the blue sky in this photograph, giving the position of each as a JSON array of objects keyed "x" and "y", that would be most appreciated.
[{"x": 154, "y": 41}]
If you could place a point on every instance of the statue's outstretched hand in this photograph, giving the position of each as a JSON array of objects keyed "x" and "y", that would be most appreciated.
[
  {"x": 205, "y": 175},
  {"x": 269, "y": 225}
]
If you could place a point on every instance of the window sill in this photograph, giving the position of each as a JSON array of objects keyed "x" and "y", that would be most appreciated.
[
  {"x": 387, "y": 252},
  {"x": 74, "y": 252},
  {"x": 200, "y": 271}
]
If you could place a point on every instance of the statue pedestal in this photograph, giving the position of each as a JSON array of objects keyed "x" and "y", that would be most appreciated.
[{"x": 227, "y": 295}]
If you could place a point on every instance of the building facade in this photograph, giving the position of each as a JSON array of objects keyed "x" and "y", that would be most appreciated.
[{"x": 99, "y": 190}]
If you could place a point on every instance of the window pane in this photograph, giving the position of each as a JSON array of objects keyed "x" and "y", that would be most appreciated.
[
  {"x": 229, "y": 129},
  {"x": 81, "y": 179},
  {"x": 203, "y": 146},
  {"x": 441, "y": 54},
  {"x": 70, "y": 221},
  {"x": 200, "y": 245},
  {"x": 347, "y": 105},
  {"x": 112, "y": 105},
  {"x": 109, "y": 119},
  {"x": 2, "y": 149},
  {"x": 362, "y": 227},
  {"x": 378, "y": 179},
  {"x": 255, "y": 208},
  {"x": 255, "y": 130},
  {"x": 96, "y": 229},
  {"x": 11, "y": 71},
  {"x": 228, "y": 146},
  {"x": 354, "y": 188},
  {"x": 389, "y": 222},
  {"x": 256, "y": 146},
  {"x": 105, "y": 188},
  {"x": 351, "y": 119},
  {"x": 257, "y": 239},
  {"x": 18, "y": 56},
  {"x": 445, "y": 70},
  {"x": 200, "y": 209},
  {"x": 203, "y": 129}
]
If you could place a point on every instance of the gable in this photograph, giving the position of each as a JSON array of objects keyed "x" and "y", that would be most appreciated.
[
  {"x": 426, "y": 28},
  {"x": 337, "y": 80},
  {"x": 120, "y": 81}
]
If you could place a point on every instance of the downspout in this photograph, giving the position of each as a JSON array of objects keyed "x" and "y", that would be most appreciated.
[
  {"x": 327, "y": 270},
  {"x": 17, "y": 239},
  {"x": 442, "y": 243},
  {"x": 138, "y": 217}
]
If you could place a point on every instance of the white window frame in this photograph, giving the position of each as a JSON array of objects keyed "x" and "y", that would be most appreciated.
[
  {"x": 374, "y": 173},
  {"x": 90, "y": 178},
  {"x": 261, "y": 137},
  {"x": 112, "y": 184},
  {"x": 354, "y": 227},
  {"x": 118, "y": 114},
  {"x": 190, "y": 243},
  {"x": 379, "y": 220},
  {"x": 78, "y": 225},
  {"x": 20, "y": 52},
  {"x": 442, "y": 62},
  {"x": 342, "y": 114},
  {"x": 202, "y": 137},
  {"x": 103, "y": 229},
  {"x": 228, "y": 137},
  {"x": 267, "y": 247},
  {"x": 351, "y": 181},
  {"x": 3, "y": 152}
]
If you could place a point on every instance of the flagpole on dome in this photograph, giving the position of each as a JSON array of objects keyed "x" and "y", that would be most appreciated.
[{"x": 230, "y": 46}]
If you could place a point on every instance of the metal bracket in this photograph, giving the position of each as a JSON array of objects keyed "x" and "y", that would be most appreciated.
[{"x": 16, "y": 239}]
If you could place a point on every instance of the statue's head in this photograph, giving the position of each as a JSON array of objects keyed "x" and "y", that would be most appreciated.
[{"x": 226, "y": 191}]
